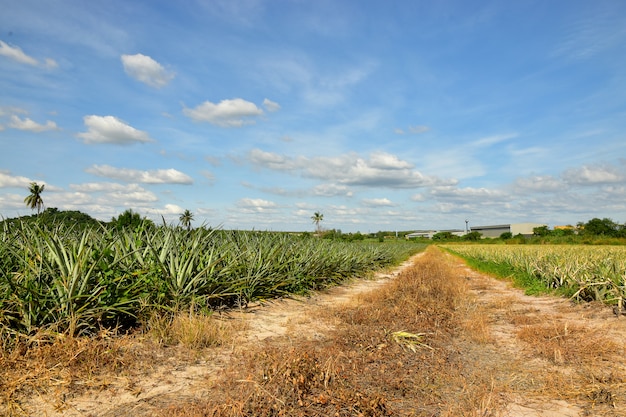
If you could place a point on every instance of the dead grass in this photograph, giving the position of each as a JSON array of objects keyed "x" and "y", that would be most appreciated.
[
  {"x": 424, "y": 344},
  {"x": 193, "y": 330},
  {"x": 366, "y": 367},
  {"x": 567, "y": 343},
  {"x": 63, "y": 367}
]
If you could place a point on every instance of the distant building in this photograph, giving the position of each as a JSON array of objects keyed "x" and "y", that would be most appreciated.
[
  {"x": 525, "y": 229},
  {"x": 430, "y": 233}
]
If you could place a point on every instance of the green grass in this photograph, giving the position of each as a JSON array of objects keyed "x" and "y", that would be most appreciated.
[{"x": 520, "y": 279}]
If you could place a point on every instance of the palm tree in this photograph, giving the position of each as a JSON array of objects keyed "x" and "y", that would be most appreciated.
[
  {"x": 34, "y": 200},
  {"x": 186, "y": 218},
  {"x": 317, "y": 217}
]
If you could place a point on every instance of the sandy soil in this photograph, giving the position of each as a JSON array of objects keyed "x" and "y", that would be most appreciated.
[{"x": 176, "y": 379}]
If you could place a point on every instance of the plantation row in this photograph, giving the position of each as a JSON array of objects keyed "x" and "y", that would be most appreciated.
[
  {"x": 583, "y": 272},
  {"x": 65, "y": 280}
]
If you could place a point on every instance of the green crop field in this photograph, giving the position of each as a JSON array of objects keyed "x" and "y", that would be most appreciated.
[
  {"x": 62, "y": 279},
  {"x": 584, "y": 272}
]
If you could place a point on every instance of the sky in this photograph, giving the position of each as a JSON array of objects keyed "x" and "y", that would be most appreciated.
[{"x": 255, "y": 114}]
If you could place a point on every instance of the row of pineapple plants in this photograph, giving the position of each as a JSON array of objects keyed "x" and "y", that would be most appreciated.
[
  {"x": 65, "y": 280},
  {"x": 586, "y": 273}
]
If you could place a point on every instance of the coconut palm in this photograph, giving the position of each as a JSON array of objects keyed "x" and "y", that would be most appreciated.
[
  {"x": 186, "y": 218},
  {"x": 317, "y": 217},
  {"x": 34, "y": 200}
]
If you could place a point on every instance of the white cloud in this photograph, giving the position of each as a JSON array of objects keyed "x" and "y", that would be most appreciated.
[
  {"x": 379, "y": 170},
  {"x": 377, "y": 202},
  {"x": 541, "y": 183},
  {"x": 168, "y": 209},
  {"x": 256, "y": 205},
  {"x": 470, "y": 194},
  {"x": 16, "y": 54},
  {"x": 110, "y": 129},
  {"x": 28, "y": 124},
  {"x": 331, "y": 190},
  {"x": 147, "y": 70},
  {"x": 227, "y": 113},
  {"x": 156, "y": 176},
  {"x": 7, "y": 180},
  {"x": 592, "y": 175},
  {"x": 107, "y": 194},
  {"x": 270, "y": 106}
]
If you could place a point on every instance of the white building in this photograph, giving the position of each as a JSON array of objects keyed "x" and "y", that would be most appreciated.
[{"x": 525, "y": 229}]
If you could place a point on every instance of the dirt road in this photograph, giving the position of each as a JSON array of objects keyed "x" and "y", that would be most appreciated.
[{"x": 490, "y": 351}]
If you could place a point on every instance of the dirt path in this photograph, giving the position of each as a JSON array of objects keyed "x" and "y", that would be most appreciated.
[
  {"x": 558, "y": 359},
  {"x": 546, "y": 357}
]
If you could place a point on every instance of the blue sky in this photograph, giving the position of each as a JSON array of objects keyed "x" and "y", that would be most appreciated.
[{"x": 382, "y": 115}]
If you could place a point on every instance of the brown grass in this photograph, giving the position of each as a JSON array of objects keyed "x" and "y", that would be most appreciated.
[
  {"x": 567, "y": 343},
  {"x": 63, "y": 367},
  {"x": 421, "y": 345},
  {"x": 193, "y": 330},
  {"x": 362, "y": 369}
]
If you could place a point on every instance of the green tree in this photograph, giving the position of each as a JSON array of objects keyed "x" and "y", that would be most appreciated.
[
  {"x": 601, "y": 227},
  {"x": 506, "y": 236},
  {"x": 541, "y": 231},
  {"x": 128, "y": 219},
  {"x": 317, "y": 217},
  {"x": 186, "y": 218},
  {"x": 444, "y": 236},
  {"x": 34, "y": 200},
  {"x": 472, "y": 236}
]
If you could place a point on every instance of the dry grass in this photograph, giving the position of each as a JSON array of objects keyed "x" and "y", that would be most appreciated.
[
  {"x": 370, "y": 365},
  {"x": 64, "y": 367},
  {"x": 193, "y": 330},
  {"x": 421, "y": 345},
  {"x": 567, "y": 343}
]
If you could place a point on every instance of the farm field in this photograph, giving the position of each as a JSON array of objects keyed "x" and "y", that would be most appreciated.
[
  {"x": 432, "y": 337},
  {"x": 585, "y": 273},
  {"x": 61, "y": 280}
]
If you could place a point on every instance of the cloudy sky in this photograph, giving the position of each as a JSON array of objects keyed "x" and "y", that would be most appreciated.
[{"x": 382, "y": 115}]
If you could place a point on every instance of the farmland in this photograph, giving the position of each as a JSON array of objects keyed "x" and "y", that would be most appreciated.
[
  {"x": 586, "y": 273},
  {"x": 61, "y": 279}
]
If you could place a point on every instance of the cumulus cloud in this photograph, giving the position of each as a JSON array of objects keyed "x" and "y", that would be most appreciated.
[
  {"x": 379, "y": 170},
  {"x": 110, "y": 129},
  {"x": 469, "y": 194},
  {"x": 587, "y": 175},
  {"x": 28, "y": 124},
  {"x": 108, "y": 194},
  {"x": 256, "y": 205},
  {"x": 227, "y": 113},
  {"x": 332, "y": 190},
  {"x": 146, "y": 70},
  {"x": 156, "y": 176},
  {"x": 377, "y": 202},
  {"x": 270, "y": 106},
  {"x": 7, "y": 180},
  {"x": 16, "y": 54},
  {"x": 541, "y": 183},
  {"x": 167, "y": 210}
]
